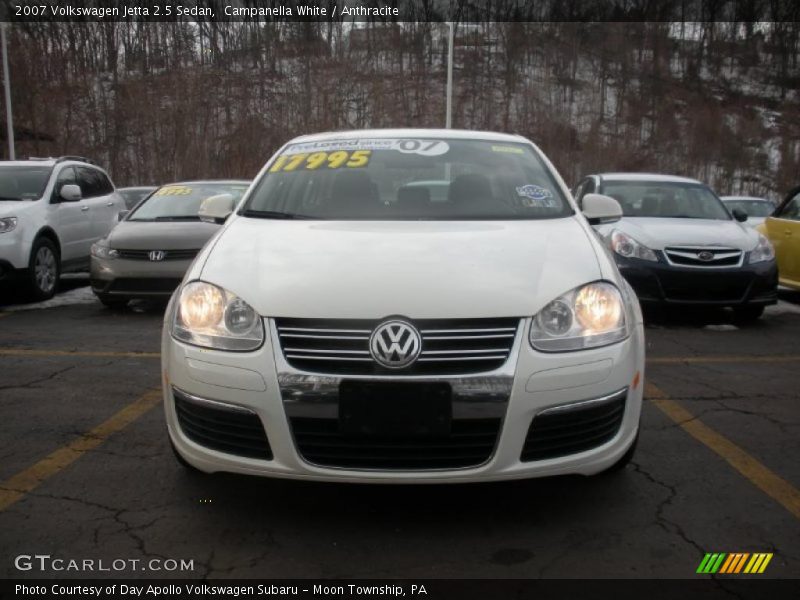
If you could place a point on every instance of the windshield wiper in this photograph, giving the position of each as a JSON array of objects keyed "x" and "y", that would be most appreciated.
[
  {"x": 271, "y": 214},
  {"x": 9, "y": 198},
  {"x": 178, "y": 218}
]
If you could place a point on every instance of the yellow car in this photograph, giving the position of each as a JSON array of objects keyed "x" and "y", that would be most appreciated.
[{"x": 783, "y": 230}]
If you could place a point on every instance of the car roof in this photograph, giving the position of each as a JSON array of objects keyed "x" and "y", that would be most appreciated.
[
  {"x": 749, "y": 198},
  {"x": 650, "y": 177},
  {"x": 209, "y": 181},
  {"x": 463, "y": 134}
]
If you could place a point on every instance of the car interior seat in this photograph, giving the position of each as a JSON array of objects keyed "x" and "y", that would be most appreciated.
[
  {"x": 471, "y": 192},
  {"x": 352, "y": 194}
]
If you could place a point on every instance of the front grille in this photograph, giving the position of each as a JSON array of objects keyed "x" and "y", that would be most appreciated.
[
  {"x": 711, "y": 256},
  {"x": 234, "y": 431},
  {"x": 471, "y": 442},
  {"x": 706, "y": 286},
  {"x": 145, "y": 285},
  {"x": 454, "y": 346},
  {"x": 561, "y": 433},
  {"x": 168, "y": 254}
]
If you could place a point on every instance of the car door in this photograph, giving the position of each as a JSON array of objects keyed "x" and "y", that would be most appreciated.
[
  {"x": 783, "y": 230},
  {"x": 98, "y": 195},
  {"x": 71, "y": 219}
]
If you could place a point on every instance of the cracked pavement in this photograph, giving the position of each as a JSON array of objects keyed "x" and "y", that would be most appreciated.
[{"x": 128, "y": 498}]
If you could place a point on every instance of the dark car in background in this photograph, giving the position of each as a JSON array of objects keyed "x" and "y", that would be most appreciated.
[{"x": 134, "y": 195}]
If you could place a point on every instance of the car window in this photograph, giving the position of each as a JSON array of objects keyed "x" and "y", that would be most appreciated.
[
  {"x": 405, "y": 178},
  {"x": 89, "y": 180},
  {"x": 753, "y": 208},
  {"x": 666, "y": 200},
  {"x": 105, "y": 185},
  {"x": 23, "y": 183},
  {"x": 182, "y": 201},
  {"x": 791, "y": 210},
  {"x": 65, "y": 177}
]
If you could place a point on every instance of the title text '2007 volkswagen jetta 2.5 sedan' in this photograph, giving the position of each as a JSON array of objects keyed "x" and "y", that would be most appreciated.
[{"x": 351, "y": 322}]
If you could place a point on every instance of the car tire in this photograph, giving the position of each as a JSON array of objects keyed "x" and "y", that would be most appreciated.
[
  {"x": 747, "y": 314},
  {"x": 624, "y": 460},
  {"x": 112, "y": 302},
  {"x": 44, "y": 270}
]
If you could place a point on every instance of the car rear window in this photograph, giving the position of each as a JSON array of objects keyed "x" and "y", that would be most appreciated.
[
  {"x": 182, "y": 201},
  {"x": 753, "y": 208},
  {"x": 408, "y": 178}
]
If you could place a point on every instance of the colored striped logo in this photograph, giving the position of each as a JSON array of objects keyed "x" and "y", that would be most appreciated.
[{"x": 734, "y": 563}]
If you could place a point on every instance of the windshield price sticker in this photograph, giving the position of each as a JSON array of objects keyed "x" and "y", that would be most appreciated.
[
  {"x": 315, "y": 160},
  {"x": 174, "y": 190},
  {"x": 404, "y": 145}
]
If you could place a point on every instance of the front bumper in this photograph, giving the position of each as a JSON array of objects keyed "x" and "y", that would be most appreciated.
[
  {"x": 662, "y": 283},
  {"x": 528, "y": 385},
  {"x": 136, "y": 278}
]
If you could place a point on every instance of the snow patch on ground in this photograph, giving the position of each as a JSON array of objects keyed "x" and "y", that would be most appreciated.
[
  {"x": 783, "y": 308},
  {"x": 722, "y": 327},
  {"x": 82, "y": 295}
]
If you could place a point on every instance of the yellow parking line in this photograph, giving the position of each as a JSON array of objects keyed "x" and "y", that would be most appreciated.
[
  {"x": 763, "y": 478},
  {"x": 671, "y": 360},
  {"x": 80, "y": 353},
  {"x": 15, "y": 488}
]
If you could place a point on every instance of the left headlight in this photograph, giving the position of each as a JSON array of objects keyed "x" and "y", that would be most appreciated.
[
  {"x": 763, "y": 251},
  {"x": 209, "y": 316},
  {"x": 99, "y": 250},
  {"x": 587, "y": 317},
  {"x": 8, "y": 224}
]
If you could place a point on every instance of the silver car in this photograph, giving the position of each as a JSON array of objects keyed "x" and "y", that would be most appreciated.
[
  {"x": 756, "y": 209},
  {"x": 147, "y": 254}
]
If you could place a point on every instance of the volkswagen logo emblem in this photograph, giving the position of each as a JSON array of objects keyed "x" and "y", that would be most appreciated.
[
  {"x": 395, "y": 344},
  {"x": 705, "y": 255},
  {"x": 156, "y": 255}
]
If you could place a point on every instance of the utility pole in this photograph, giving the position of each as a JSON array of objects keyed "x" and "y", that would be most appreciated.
[
  {"x": 7, "y": 85},
  {"x": 449, "y": 114}
]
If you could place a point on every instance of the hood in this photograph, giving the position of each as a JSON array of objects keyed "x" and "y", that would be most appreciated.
[
  {"x": 13, "y": 208},
  {"x": 417, "y": 269},
  {"x": 161, "y": 235},
  {"x": 658, "y": 233}
]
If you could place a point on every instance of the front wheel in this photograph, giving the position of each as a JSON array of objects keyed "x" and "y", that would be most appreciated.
[{"x": 44, "y": 270}]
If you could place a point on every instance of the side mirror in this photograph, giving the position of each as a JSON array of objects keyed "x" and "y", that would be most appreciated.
[
  {"x": 739, "y": 215},
  {"x": 216, "y": 209},
  {"x": 70, "y": 192},
  {"x": 599, "y": 209},
  {"x": 122, "y": 214}
]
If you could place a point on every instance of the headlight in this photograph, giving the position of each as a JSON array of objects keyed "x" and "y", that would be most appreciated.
[
  {"x": 208, "y": 316},
  {"x": 8, "y": 224},
  {"x": 101, "y": 251},
  {"x": 587, "y": 317},
  {"x": 763, "y": 251},
  {"x": 626, "y": 246}
]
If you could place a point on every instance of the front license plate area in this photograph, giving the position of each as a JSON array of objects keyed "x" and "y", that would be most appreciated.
[{"x": 395, "y": 409}]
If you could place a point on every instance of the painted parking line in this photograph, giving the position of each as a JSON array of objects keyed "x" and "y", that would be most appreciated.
[
  {"x": 777, "y": 488},
  {"x": 79, "y": 353},
  {"x": 15, "y": 488}
]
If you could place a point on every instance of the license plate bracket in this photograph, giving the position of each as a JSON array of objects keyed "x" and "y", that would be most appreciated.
[{"x": 395, "y": 409}]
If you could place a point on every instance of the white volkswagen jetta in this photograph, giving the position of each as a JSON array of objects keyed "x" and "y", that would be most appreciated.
[{"x": 353, "y": 322}]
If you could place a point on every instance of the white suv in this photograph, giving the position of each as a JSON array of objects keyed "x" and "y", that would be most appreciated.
[
  {"x": 405, "y": 306},
  {"x": 51, "y": 212}
]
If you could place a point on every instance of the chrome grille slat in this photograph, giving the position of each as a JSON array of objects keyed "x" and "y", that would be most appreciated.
[
  {"x": 689, "y": 256},
  {"x": 449, "y": 346}
]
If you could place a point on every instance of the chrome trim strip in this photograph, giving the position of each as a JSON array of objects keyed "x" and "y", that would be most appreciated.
[
  {"x": 460, "y": 358},
  {"x": 583, "y": 403},
  {"x": 468, "y": 337},
  {"x": 212, "y": 403},
  {"x": 684, "y": 251},
  {"x": 323, "y": 337},
  {"x": 476, "y": 351},
  {"x": 329, "y": 329},
  {"x": 315, "y": 357},
  {"x": 496, "y": 329},
  {"x": 317, "y": 351}
]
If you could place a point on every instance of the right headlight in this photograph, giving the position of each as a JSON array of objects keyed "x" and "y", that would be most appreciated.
[
  {"x": 8, "y": 224},
  {"x": 209, "y": 316},
  {"x": 587, "y": 317},
  {"x": 626, "y": 246},
  {"x": 763, "y": 251}
]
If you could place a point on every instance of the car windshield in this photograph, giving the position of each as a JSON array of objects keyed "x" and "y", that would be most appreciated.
[
  {"x": 23, "y": 182},
  {"x": 407, "y": 179},
  {"x": 181, "y": 201},
  {"x": 753, "y": 208},
  {"x": 666, "y": 200}
]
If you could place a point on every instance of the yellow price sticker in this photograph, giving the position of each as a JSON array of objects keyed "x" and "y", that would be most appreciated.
[
  {"x": 174, "y": 190},
  {"x": 315, "y": 160}
]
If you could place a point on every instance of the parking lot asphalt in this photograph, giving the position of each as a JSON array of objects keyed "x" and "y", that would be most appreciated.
[{"x": 86, "y": 470}]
